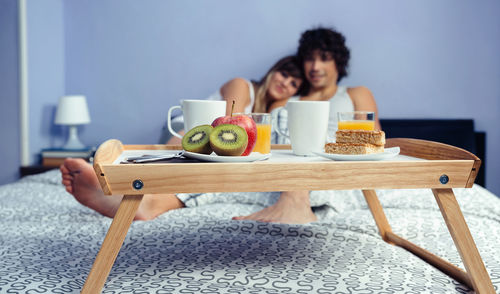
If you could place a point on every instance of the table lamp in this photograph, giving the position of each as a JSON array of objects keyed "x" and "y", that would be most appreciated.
[{"x": 72, "y": 111}]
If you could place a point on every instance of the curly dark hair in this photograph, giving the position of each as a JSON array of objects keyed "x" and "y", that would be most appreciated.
[{"x": 325, "y": 40}]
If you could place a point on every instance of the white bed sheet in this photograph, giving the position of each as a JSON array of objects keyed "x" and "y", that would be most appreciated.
[{"x": 48, "y": 242}]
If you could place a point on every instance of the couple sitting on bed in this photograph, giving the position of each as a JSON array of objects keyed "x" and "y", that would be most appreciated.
[{"x": 322, "y": 58}]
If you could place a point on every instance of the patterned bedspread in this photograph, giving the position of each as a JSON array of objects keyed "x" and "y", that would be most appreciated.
[{"x": 48, "y": 243}]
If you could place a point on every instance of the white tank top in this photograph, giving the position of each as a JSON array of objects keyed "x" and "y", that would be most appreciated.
[{"x": 341, "y": 101}]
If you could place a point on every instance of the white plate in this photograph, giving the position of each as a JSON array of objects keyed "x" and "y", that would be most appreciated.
[
  {"x": 388, "y": 153},
  {"x": 254, "y": 156}
]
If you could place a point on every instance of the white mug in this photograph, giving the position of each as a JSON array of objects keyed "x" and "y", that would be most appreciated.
[
  {"x": 307, "y": 126},
  {"x": 197, "y": 112}
]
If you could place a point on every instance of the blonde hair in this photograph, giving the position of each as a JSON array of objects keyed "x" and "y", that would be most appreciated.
[
  {"x": 261, "y": 103},
  {"x": 288, "y": 64}
]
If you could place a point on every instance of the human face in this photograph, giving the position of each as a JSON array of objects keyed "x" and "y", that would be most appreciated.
[
  {"x": 283, "y": 86},
  {"x": 320, "y": 69}
]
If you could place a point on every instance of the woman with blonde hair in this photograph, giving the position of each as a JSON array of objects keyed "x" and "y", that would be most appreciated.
[{"x": 282, "y": 81}]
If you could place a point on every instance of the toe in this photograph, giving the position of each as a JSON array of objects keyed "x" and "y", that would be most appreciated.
[
  {"x": 243, "y": 217},
  {"x": 63, "y": 169},
  {"x": 74, "y": 164}
]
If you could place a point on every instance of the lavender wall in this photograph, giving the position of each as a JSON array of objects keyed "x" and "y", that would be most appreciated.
[
  {"x": 46, "y": 76},
  {"x": 9, "y": 92},
  {"x": 421, "y": 59}
]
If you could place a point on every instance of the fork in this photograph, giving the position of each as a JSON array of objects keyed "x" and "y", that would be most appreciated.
[{"x": 152, "y": 158}]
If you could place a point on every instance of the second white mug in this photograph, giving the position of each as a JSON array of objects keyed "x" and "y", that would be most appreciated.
[
  {"x": 197, "y": 112},
  {"x": 307, "y": 126}
]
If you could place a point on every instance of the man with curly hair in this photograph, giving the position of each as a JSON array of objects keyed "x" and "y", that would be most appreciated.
[{"x": 325, "y": 59}]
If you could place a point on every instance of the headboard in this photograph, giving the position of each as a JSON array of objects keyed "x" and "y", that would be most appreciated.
[{"x": 456, "y": 132}]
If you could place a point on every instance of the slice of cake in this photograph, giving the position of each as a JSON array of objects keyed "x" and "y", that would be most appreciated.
[
  {"x": 353, "y": 148},
  {"x": 361, "y": 136}
]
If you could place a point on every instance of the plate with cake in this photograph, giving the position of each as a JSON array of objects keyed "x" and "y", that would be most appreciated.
[{"x": 356, "y": 145}]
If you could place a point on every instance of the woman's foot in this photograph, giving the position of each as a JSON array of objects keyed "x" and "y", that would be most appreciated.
[
  {"x": 80, "y": 180},
  {"x": 291, "y": 208}
]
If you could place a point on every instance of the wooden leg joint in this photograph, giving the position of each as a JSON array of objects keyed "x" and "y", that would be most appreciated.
[
  {"x": 475, "y": 277},
  {"x": 462, "y": 237},
  {"x": 378, "y": 214}
]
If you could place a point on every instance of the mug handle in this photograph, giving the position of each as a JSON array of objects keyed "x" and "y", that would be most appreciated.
[
  {"x": 276, "y": 125},
  {"x": 169, "y": 121}
]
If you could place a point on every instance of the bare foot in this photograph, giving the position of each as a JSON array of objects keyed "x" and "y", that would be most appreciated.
[
  {"x": 80, "y": 180},
  {"x": 291, "y": 208}
]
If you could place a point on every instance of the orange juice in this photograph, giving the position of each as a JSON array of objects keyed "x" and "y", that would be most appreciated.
[
  {"x": 368, "y": 125},
  {"x": 263, "y": 144}
]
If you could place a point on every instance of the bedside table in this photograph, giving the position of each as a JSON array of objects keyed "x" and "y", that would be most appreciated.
[
  {"x": 34, "y": 169},
  {"x": 54, "y": 157}
]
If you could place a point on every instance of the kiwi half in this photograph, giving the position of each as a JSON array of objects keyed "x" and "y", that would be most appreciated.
[
  {"x": 228, "y": 140},
  {"x": 197, "y": 139}
]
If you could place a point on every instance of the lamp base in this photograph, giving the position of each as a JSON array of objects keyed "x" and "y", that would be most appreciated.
[{"x": 73, "y": 142}]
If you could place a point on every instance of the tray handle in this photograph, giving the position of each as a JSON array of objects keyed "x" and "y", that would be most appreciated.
[
  {"x": 107, "y": 153},
  {"x": 436, "y": 151}
]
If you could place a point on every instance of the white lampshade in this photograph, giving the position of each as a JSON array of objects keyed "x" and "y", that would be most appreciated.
[{"x": 72, "y": 110}]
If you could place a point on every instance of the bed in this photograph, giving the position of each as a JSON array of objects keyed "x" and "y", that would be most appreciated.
[{"x": 49, "y": 242}]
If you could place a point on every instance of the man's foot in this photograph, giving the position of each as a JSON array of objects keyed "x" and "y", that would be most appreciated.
[
  {"x": 80, "y": 180},
  {"x": 291, "y": 208}
]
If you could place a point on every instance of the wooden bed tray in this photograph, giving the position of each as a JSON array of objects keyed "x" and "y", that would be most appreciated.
[{"x": 444, "y": 167}]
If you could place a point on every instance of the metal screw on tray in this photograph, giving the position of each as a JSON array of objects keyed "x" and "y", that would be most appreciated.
[
  {"x": 444, "y": 179},
  {"x": 137, "y": 184}
]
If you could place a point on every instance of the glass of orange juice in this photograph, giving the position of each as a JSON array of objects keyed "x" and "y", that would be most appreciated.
[
  {"x": 356, "y": 120},
  {"x": 263, "y": 122}
]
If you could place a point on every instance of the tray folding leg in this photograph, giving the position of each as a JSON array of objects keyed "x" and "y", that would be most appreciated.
[
  {"x": 476, "y": 276},
  {"x": 112, "y": 244},
  {"x": 463, "y": 240}
]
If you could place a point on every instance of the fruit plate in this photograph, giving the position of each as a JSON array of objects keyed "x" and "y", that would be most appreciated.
[
  {"x": 254, "y": 156},
  {"x": 388, "y": 153}
]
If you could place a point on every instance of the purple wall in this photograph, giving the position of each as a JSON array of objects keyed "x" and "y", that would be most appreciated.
[
  {"x": 421, "y": 59},
  {"x": 9, "y": 92},
  {"x": 46, "y": 77},
  {"x": 425, "y": 59}
]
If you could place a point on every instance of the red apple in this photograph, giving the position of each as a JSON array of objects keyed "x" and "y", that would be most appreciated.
[{"x": 243, "y": 121}]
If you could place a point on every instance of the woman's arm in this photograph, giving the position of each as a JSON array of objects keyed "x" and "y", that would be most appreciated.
[
  {"x": 237, "y": 90},
  {"x": 174, "y": 140},
  {"x": 363, "y": 100}
]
